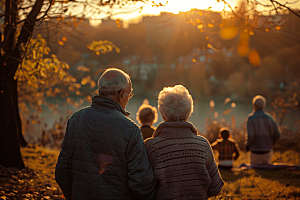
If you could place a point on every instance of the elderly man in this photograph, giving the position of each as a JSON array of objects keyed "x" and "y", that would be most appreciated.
[
  {"x": 103, "y": 156},
  {"x": 263, "y": 133}
]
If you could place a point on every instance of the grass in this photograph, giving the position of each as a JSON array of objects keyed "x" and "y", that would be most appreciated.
[
  {"x": 246, "y": 184},
  {"x": 262, "y": 184}
]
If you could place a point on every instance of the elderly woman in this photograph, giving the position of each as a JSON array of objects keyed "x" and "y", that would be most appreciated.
[
  {"x": 182, "y": 161},
  {"x": 147, "y": 116}
]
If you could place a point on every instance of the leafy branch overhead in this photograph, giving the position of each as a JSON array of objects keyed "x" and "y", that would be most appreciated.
[{"x": 103, "y": 46}]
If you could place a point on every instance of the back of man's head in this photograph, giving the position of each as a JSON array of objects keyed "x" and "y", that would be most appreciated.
[
  {"x": 259, "y": 102},
  {"x": 112, "y": 81},
  {"x": 224, "y": 132}
]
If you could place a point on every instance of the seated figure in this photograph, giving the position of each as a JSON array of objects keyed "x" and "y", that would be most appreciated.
[{"x": 228, "y": 149}]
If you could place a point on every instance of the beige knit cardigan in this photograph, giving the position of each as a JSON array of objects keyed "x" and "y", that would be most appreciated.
[{"x": 183, "y": 162}]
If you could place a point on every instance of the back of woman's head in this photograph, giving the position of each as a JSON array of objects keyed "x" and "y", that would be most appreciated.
[
  {"x": 175, "y": 103},
  {"x": 146, "y": 114}
]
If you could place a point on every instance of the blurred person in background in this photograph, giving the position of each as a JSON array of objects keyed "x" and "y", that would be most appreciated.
[
  {"x": 147, "y": 116},
  {"x": 262, "y": 133},
  {"x": 103, "y": 155},
  {"x": 228, "y": 149},
  {"x": 183, "y": 162}
]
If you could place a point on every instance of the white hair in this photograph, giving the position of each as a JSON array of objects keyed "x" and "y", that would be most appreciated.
[
  {"x": 175, "y": 103},
  {"x": 259, "y": 101},
  {"x": 114, "y": 85}
]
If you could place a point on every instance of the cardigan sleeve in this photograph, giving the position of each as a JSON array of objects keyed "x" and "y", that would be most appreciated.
[
  {"x": 150, "y": 152},
  {"x": 217, "y": 183}
]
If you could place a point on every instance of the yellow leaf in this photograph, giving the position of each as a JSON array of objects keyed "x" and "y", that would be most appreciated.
[
  {"x": 117, "y": 49},
  {"x": 88, "y": 99},
  {"x": 229, "y": 32},
  {"x": 64, "y": 39},
  {"x": 200, "y": 13},
  {"x": 207, "y": 38},
  {"x": 200, "y": 26},
  {"x": 33, "y": 79},
  {"x": 194, "y": 60},
  {"x": 98, "y": 53},
  {"x": 117, "y": 21},
  {"x": 60, "y": 42},
  {"x": 210, "y": 25},
  {"x": 277, "y": 27},
  {"x": 233, "y": 105},
  {"x": 267, "y": 30},
  {"x": 251, "y": 32},
  {"x": 93, "y": 84}
]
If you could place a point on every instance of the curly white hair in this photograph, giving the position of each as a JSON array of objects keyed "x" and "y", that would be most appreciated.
[{"x": 175, "y": 103}]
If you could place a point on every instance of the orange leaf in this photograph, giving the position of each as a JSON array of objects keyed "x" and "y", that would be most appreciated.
[
  {"x": 254, "y": 58},
  {"x": 60, "y": 42},
  {"x": 226, "y": 111},
  {"x": 229, "y": 32}
]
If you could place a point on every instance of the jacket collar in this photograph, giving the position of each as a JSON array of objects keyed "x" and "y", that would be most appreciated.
[
  {"x": 102, "y": 102},
  {"x": 175, "y": 129}
]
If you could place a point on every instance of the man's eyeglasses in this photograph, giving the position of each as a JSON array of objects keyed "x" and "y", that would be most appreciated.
[{"x": 130, "y": 94}]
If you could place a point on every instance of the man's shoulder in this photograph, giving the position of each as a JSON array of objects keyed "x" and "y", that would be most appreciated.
[
  {"x": 78, "y": 113},
  {"x": 114, "y": 116}
]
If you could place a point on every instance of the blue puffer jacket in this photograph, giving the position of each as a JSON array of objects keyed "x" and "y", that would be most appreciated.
[{"x": 103, "y": 155}]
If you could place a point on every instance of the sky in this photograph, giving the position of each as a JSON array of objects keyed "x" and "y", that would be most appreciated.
[{"x": 175, "y": 6}]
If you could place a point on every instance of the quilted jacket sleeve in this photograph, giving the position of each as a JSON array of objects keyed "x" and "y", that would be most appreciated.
[
  {"x": 140, "y": 174},
  {"x": 63, "y": 170}
]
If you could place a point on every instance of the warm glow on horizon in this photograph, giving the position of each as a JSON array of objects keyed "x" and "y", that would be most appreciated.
[{"x": 173, "y": 6}]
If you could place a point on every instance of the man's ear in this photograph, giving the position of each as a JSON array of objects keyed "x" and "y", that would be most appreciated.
[{"x": 120, "y": 95}]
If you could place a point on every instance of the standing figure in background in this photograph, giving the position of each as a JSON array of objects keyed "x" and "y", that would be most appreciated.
[
  {"x": 228, "y": 149},
  {"x": 147, "y": 116},
  {"x": 182, "y": 160},
  {"x": 262, "y": 133}
]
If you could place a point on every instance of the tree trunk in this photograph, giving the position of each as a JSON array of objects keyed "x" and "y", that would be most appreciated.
[
  {"x": 18, "y": 121},
  {"x": 9, "y": 137}
]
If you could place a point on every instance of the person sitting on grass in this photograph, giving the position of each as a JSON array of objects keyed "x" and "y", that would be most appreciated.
[
  {"x": 147, "y": 116},
  {"x": 226, "y": 147}
]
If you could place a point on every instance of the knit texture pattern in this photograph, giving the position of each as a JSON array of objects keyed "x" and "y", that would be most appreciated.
[{"x": 182, "y": 162}]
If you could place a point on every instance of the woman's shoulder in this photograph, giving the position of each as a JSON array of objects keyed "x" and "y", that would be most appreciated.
[{"x": 201, "y": 140}]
